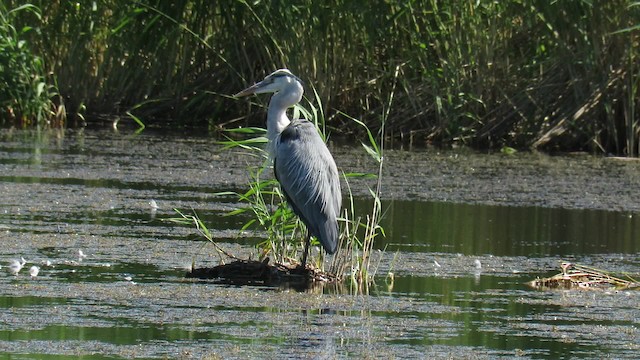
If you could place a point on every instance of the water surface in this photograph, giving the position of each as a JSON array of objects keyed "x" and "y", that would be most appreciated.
[{"x": 445, "y": 213}]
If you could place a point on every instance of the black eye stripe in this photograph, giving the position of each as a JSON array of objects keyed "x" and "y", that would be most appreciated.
[{"x": 278, "y": 75}]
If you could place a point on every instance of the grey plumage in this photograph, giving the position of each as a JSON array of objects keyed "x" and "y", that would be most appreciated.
[{"x": 311, "y": 184}]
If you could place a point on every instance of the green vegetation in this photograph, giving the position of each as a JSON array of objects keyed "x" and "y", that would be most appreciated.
[
  {"x": 524, "y": 73},
  {"x": 25, "y": 95}
]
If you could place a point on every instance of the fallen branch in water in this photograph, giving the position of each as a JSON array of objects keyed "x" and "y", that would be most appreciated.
[{"x": 575, "y": 276}]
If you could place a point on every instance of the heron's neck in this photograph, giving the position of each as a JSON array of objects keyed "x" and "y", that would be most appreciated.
[{"x": 277, "y": 119}]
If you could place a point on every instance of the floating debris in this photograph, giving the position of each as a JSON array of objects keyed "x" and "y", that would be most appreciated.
[
  {"x": 575, "y": 276},
  {"x": 16, "y": 265},
  {"x": 154, "y": 208},
  {"x": 33, "y": 271},
  {"x": 477, "y": 264},
  {"x": 251, "y": 272}
]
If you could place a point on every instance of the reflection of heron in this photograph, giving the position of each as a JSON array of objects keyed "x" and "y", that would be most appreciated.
[{"x": 302, "y": 163}]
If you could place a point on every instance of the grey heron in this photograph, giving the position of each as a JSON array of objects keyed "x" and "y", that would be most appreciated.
[{"x": 302, "y": 163}]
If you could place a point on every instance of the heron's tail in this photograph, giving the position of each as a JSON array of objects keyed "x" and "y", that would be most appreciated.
[{"x": 328, "y": 235}]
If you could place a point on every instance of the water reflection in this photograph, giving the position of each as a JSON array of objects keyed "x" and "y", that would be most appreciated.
[{"x": 506, "y": 230}]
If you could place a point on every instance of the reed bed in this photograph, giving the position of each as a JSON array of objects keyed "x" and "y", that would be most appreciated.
[{"x": 552, "y": 75}]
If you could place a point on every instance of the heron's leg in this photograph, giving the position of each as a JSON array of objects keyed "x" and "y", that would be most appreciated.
[{"x": 306, "y": 251}]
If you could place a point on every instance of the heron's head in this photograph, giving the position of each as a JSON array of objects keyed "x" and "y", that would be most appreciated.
[{"x": 277, "y": 81}]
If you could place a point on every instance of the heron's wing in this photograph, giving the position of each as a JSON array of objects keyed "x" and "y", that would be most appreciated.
[{"x": 309, "y": 178}]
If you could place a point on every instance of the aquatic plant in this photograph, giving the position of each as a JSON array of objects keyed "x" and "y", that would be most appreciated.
[
  {"x": 361, "y": 250},
  {"x": 26, "y": 96},
  {"x": 201, "y": 227}
]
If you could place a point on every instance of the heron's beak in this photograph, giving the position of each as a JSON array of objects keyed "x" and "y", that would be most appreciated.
[{"x": 248, "y": 91}]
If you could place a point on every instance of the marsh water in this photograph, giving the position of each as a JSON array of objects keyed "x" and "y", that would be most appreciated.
[{"x": 464, "y": 233}]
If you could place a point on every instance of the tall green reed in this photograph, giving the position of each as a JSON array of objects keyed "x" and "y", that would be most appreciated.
[
  {"x": 522, "y": 73},
  {"x": 26, "y": 95}
]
